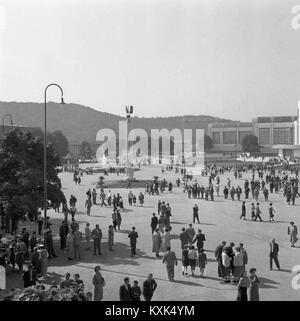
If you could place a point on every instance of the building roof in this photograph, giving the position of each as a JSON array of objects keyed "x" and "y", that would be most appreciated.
[
  {"x": 235, "y": 124},
  {"x": 276, "y": 119}
]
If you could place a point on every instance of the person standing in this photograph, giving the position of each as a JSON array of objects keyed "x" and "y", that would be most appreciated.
[
  {"x": 70, "y": 245},
  {"x": 125, "y": 291},
  {"x": 77, "y": 243},
  {"x": 133, "y": 236},
  {"x": 170, "y": 260},
  {"x": 191, "y": 233},
  {"x": 33, "y": 241},
  {"x": 97, "y": 236},
  {"x": 94, "y": 196},
  {"x": 245, "y": 256},
  {"x": 20, "y": 254},
  {"x": 243, "y": 215},
  {"x": 35, "y": 260},
  {"x": 99, "y": 283},
  {"x": 135, "y": 291},
  {"x": 154, "y": 222},
  {"x": 252, "y": 211},
  {"x": 88, "y": 205},
  {"x": 238, "y": 264},
  {"x": 202, "y": 259},
  {"x": 293, "y": 232},
  {"x": 243, "y": 286},
  {"x": 149, "y": 286},
  {"x": 226, "y": 264},
  {"x": 184, "y": 238},
  {"x": 196, "y": 214},
  {"x": 30, "y": 276},
  {"x": 166, "y": 239},
  {"x": 110, "y": 237},
  {"x": 200, "y": 238},
  {"x": 274, "y": 250},
  {"x": 63, "y": 236},
  {"x": 88, "y": 236},
  {"x": 254, "y": 286},
  {"x": 40, "y": 222},
  {"x": 156, "y": 242},
  {"x": 218, "y": 256},
  {"x": 43, "y": 259}
]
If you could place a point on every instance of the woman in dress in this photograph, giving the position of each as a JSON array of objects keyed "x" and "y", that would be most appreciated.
[
  {"x": 99, "y": 283},
  {"x": 70, "y": 245},
  {"x": 292, "y": 232},
  {"x": 43, "y": 259},
  {"x": 243, "y": 285},
  {"x": 185, "y": 260},
  {"x": 254, "y": 286},
  {"x": 166, "y": 240}
]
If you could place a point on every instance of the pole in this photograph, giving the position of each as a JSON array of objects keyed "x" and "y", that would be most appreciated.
[{"x": 45, "y": 155}]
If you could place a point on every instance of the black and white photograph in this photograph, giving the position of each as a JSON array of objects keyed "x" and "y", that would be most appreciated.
[{"x": 149, "y": 151}]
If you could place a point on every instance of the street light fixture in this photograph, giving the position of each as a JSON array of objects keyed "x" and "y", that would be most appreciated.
[
  {"x": 129, "y": 112},
  {"x": 45, "y": 153}
]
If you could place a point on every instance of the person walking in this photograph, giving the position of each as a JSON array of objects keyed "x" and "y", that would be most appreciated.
[
  {"x": 170, "y": 260},
  {"x": 243, "y": 286},
  {"x": 191, "y": 233},
  {"x": 97, "y": 236},
  {"x": 202, "y": 261},
  {"x": 271, "y": 213},
  {"x": 252, "y": 211},
  {"x": 110, "y": 237},
  {"x": 154, "y": 222},
  {"x": 88, "y": 236},
  {"x": 185, "y": 260},
  {"x": 149, "y": 287},
  {"x": 133, "y": 236},
  {"x": 257, "y": 213},
  {"x": 166, "y": 239},
  {"x": 192, "y": 255},
  {"x": 293, "y": 232},
  {"x": 274, "y": 250},
  {"x": 238, "y": 264},
  {"x": 99, "y": 283},
  {"x": 254, "y": 286},
  {"x": 243, "y": 215},
  {"x": 156, "y": 242}
]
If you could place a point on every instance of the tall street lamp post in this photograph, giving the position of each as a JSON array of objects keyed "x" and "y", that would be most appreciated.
[{"x": 45, "y": 154}]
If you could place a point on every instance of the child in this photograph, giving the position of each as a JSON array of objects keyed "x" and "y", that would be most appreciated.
[
  {"x": 202, "y": 258},
  {"x": 134, "y": 200},
  {"x": 185, "y": 260}
]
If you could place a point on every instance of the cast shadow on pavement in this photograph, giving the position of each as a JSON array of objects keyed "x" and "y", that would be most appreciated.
[{"x": 265, "y": 283}]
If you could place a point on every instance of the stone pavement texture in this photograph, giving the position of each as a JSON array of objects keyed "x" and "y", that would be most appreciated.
[{"x": 219, "y": 220}]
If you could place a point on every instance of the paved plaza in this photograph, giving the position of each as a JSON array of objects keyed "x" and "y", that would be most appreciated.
[{"x": 219, "y": 220}]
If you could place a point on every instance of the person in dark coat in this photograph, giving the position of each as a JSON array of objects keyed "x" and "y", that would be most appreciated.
[
  {"x": 149, "y": 286},
  {"x": 135, "y": 292},
  {"x": 30, "y": 276},
  {"x": 35, "y": 260},
  {"x": 243, "y": 285},
  {"x": 243, "y": 215},
  {"x": 133, "y": 238},
  {"x": 218, "y": 256},
  {"x": 199, "y": 238},
  {"x": 125, "y": 291},
  {"x": 154, "y": 222},
  {"x": 63, "y": 236},
  {"x": 274, "y": 249}
]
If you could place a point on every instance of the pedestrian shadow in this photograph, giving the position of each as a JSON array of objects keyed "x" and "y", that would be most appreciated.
[
  {"x": 177, "y": 222},
  {"x": 211, "y": 278},
  {"x": 285, "y": 270},
  {"x": 187, "y": 283},
  {"x": 265, "y": 283},
  {"x": 52, "y": 276},
  {"x": 174, "y": 237},
  {"x": 207, "y": 224},
  {"x": 124, "y": 231}
]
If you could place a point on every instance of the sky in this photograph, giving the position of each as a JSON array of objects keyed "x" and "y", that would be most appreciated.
[{"x": 233, "y": 59}]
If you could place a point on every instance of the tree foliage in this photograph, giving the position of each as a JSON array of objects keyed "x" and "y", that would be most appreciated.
[
  {"x": 250, "y": 144},
  {"x": 21, "y": 174}
]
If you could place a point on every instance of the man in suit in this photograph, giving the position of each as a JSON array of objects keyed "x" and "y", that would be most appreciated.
[
  {"x": 200, "y": 238},
  {"x": 149, "y": 286},
  {"x": 170, "y": 260},
  {"x": 133, "y": 238},
  {"x": 274, "y": 249},
  {"x": 125, "y": 291},
  {"x": 218, "y": 256},
  {"x": 154, "y": 223},
  {"x": 184, "y": 238}
]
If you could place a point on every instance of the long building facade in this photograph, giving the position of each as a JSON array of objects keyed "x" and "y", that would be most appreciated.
[{"x": 279, "y": 135}]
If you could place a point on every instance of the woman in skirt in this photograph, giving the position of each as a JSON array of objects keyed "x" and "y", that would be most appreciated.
[
  {"x": 185, "y": 260},
  {"x": 243, "y": 285}
]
